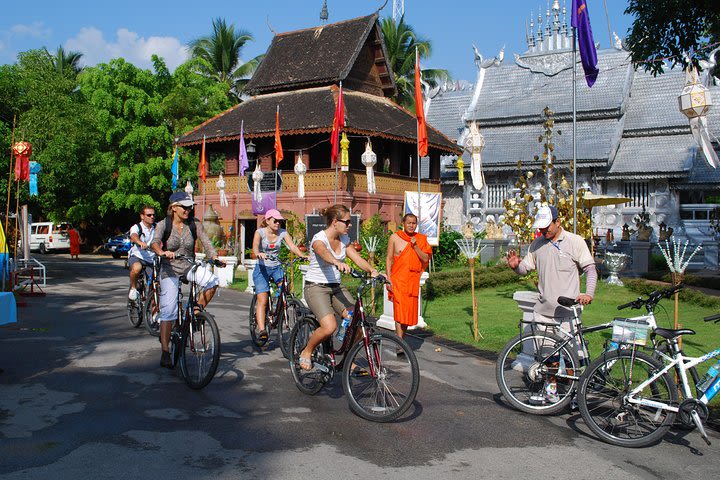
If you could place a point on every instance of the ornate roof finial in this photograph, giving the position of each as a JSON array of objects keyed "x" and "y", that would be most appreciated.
[
  {"x": 564, "y": 29},
  {"x": 324, "y": 13}
]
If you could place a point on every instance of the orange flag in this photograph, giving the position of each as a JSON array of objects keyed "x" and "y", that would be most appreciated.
[
  {"x": 278, "y": 144},
  {"x": 203, "y": 162},
  {"x": 419, "y": 113},
  {"x": 338, "y": 124}
]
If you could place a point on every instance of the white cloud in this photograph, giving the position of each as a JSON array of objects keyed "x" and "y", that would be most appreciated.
[
  {"x": 128, "y": 45},
  {"x": 35, "y": 30}
]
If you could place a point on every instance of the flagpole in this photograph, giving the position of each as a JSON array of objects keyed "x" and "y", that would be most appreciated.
[
  {"x": 9, "y": 186},
  {"x": 417, "y": 130},
  {"x": 337, "y": 179},
  {"x": 574, "y": 127},
  {"x": 275, "y": 172}
]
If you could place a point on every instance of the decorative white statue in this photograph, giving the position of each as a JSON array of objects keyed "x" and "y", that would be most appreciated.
[
  {"x": 300, "y": 170},
  {"x": 221, "y": 187}
]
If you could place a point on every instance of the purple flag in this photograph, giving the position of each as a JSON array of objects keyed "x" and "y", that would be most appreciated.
[
  {"x": 580, "y": 20},
  {"x": 242, "y": 155},
  {"x": 267, "y": 203}
]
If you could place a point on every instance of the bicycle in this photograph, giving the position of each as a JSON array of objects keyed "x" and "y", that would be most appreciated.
[
  {"x": 630, "y": 399},
  {"x": 380, "y": 375},
  {"x": 538, "y": 372},
  {"x": 281, "y": 313},
  {"x": 195, "y": 338},
  {"x": 152, "y": 302},
  {"x": 137, "y": 309}
]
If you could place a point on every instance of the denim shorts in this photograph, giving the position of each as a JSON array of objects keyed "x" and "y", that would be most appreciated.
[{"x": 262, "y": 275}]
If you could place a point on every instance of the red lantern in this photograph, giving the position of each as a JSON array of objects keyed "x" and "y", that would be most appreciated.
[
  {"x": 357, "y": 246},
  {"x": 22, "y": 151}
]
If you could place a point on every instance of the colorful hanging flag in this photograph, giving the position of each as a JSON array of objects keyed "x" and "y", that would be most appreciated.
[
  {"x": 203, "y": 161},
  {"x": 338, "y": 124},
  {"x": 267, "y": 202},
  {"x": 22, "y": 151},
  {"x": 278, "y": 143},
  {"x": 580, "y": 19},
  {"x": 35, "y": 168},
  {"x": 244, "y": 164},
  {"x": 419, "y": 112},
  {"x": 175, "y": 168}
]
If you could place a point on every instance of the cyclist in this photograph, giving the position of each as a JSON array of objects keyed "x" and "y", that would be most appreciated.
[
  {"x": 324, "y": 293},
  {"x": 139, "y": 256},
  {"x": 266, "y": 247},
  {"x": 176, "y": 235}
]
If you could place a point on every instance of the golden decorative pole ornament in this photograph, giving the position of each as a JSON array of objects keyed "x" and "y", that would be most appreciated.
[{"x": 344, "y": 154}]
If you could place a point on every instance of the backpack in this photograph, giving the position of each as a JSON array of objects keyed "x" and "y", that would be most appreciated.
[
  {"x": 168, "y": 230},
  {"x": 140, "y": 229}
]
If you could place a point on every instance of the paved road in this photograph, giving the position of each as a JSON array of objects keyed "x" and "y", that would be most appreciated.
[{"x": 82, "y": 395}]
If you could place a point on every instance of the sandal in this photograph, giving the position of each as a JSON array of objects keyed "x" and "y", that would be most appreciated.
[
  {"x": 305, "y": 363},
  {"x": 359, "y": 372}
]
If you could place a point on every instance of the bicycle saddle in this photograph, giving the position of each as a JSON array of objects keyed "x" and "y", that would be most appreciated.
[
  {"x": 669, "y": 333},
  {"x": 184, "y": 279}
]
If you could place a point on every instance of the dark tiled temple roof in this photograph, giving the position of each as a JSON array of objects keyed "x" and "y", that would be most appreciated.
[
  {"x": 311, "y": 57},
  {"x": 310, "y": 111},
  {"x": 446, "y": 110}
]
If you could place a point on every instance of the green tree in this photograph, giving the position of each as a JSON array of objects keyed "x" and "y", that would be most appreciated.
[
  {"x": 401, "y": 42},
  {"x": 63, "y": 131},
  {"x": 220, "y": 55},
  {"x": 670, "y": 29},
  {"x": 66, "y": 62}
]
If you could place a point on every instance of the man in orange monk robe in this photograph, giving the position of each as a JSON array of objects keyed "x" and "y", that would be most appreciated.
[{"x": 408, "y": 255}]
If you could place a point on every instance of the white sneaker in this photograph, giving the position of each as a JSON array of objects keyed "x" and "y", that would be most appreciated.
[{"x": 133, "y": 294}]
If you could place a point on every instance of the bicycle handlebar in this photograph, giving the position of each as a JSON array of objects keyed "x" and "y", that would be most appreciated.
[
  {"x": 194, "y": 261},
  {"x": 652, "y": 299},
  {"x": 713, "y": 318}
]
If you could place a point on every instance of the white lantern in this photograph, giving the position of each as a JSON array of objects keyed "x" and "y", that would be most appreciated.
[
  {"x": 189, "y": 189},
  {"x": 369, "y": 159},
  {"x": 257, "y": 177},
  {"x": 694, "y": 100},
  {"x": 300, "y": 170},
  {"x": 221, "y": 189}
]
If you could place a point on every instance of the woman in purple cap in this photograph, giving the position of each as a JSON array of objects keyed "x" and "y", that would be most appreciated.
[{"x": 266, "y": 247}]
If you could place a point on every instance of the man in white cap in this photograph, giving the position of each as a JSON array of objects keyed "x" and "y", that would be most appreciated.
[{"x": 559, "y": 257}]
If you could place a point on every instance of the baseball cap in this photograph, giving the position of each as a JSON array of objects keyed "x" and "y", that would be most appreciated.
[
  {"x": 545, "y": 216},
  {"x": 181, "y": 198},
  {"x": 273, "y": 213}
]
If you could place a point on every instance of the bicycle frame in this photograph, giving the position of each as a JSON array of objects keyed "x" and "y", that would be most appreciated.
[{"x": 682, "y": 364}]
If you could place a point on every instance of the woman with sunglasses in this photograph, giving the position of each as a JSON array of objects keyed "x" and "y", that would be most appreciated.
[
  {"x": 266, "y": 246},
  {"x": 180, "y": 241},
  {"x": 324, "y": 293}
]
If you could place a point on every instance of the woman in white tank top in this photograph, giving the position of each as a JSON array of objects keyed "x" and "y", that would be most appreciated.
[{"x": 324, "y": 293}]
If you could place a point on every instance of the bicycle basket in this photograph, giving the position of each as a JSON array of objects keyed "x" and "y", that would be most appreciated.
[{"x": 628, "y": 330}]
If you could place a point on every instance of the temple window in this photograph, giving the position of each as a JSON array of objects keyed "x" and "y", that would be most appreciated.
[{"x": 639, "y": 192}]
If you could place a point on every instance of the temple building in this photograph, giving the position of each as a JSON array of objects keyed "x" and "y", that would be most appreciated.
[
  {"x": 632, "y": 139},
  {"x": 300, "y": 76}
]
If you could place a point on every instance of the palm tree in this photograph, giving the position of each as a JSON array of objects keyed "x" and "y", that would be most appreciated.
[
  {"x": 66, "y": 61},
  {"x": 401, "y": 42},
  {"x": 219, "y": 54}
]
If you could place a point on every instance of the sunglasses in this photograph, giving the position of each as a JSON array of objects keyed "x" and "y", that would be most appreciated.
[
  {"x": 274, "y": 220},
  {"x": 184, "y": 207},
  {"x": 347, "y": 223},
  {"x": 149, "y": 214}
]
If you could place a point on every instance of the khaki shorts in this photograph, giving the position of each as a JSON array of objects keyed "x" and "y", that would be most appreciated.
[{"x": 326, "y": 299}]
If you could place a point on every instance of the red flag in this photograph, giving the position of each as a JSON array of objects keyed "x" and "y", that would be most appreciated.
[
  {"x": 338, "y": 124},
  {"x": 203, "y": 162},
  {"x": 419, "y": 113},
  {"x": 278, "y": 143}
]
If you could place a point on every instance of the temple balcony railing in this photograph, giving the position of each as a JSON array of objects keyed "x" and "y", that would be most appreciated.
[{"x": 323, "y": 180}]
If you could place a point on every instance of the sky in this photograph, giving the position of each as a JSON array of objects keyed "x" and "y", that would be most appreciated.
[{"x": 134, "y": 29}]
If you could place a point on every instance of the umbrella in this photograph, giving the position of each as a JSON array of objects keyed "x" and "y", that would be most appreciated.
[{"x": 591, "y": 200}]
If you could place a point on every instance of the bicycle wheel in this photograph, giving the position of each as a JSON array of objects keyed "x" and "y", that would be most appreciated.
[
  {"x": 307, "y": 381},
  {"x": 134, "y": 311},
  {"x": 287, "y": 321},
  {"x": 379, "y": 383},
  {"x": 200, "y": 355},
  {"x": 536, "y": 375},
  {"x": 152, "y": 312},
  {"x": 604, "y": 402}
]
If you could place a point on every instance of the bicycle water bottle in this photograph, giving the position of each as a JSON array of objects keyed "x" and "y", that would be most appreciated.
[
  {"x": 343, "y": 326},
  {"x": 709, "y": 377},
  {"x": 612, "y": 346}
]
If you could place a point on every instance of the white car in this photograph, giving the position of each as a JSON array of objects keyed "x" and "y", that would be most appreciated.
[{"x": 48, "y": 236}]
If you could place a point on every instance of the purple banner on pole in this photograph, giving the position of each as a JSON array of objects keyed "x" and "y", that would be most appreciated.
[
  {"x": 267, "y": 203},
  {"x": 580, "y": 19},
  {"x": 242, "y": 153}
]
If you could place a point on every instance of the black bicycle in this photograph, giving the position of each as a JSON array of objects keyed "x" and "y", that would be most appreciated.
[
  {"x": 147, "y": 286},
  {"x": 380, "y": 373},
  {"x": 281, "y": 313},
  {"x": 195, "y": 337},
  {"x": 151, "y": 310}
]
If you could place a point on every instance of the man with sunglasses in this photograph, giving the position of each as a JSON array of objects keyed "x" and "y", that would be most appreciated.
[{"x": 139, "y": 256}]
